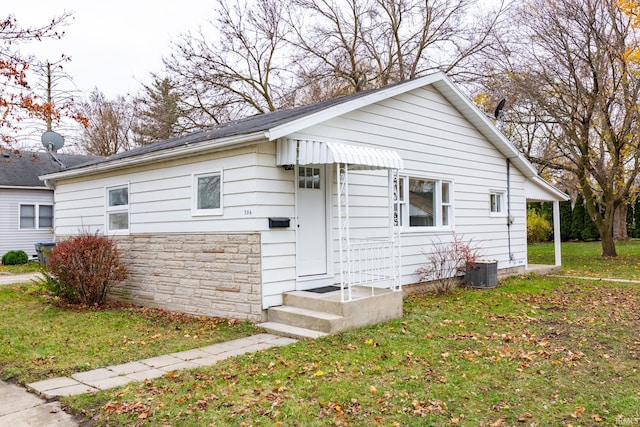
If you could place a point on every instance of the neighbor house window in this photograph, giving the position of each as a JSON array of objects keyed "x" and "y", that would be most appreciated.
[
  {"x": 118, "y": 209},
  {"x": 45, "y": 216},
  {"x": 207, "y": 194},
  {"x": 424, "y": 202},
  {"x": 36, "y": 216},
  {"x": 496, "y": 200}
]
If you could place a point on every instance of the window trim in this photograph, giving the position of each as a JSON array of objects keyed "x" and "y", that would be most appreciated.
[
  {"x": 117, "y": 209},
  {"x": 404, "y": 200},
  {"x": 194, "y": 194},
  {"x": 36, "y": 217},
  {"x": 502, "y": 211}
]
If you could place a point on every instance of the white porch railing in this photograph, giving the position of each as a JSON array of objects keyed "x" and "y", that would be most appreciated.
[
  {"x": 371, "y": 263},
  {"x": 367, "y": 262}
]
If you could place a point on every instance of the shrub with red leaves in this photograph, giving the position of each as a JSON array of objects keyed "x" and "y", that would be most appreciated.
[{"x": 88, "y": 265}]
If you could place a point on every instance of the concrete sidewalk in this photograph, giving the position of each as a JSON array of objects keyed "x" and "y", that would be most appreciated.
[
  {"x": 118, "y": 375},
  {"x": 19, "y": 408}
]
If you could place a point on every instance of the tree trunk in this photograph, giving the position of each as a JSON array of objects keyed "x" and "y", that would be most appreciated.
[
  {"x": 620, "y": 223},
  {"x": 606, "y": 232},
  {"x": 608, "y": 246},
  {"x": 605, "y": 227}
]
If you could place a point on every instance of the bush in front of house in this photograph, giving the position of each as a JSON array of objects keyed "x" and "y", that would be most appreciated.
[
  {"x": 15, "y": 258},
  {"x": 84, "y": 268},
  {"x": 446, "y": 261}
]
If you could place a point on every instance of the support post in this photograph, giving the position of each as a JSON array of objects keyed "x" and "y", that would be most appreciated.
[
  {"x": 557, "y": 239},
  {"x": 342, "y": 179},
  {"x": 394, "y": 228}
]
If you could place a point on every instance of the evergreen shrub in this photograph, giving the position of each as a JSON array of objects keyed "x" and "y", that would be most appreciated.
[{"x": 15, "y": 258}]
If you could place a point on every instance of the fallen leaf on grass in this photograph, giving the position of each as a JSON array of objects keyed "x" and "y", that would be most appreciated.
[{"x": 578, "y": 412}]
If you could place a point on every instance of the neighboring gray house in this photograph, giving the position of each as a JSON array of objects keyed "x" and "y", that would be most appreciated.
[
  {"x": 26, "y": 203},
  {"x": 245, "y": 219}
]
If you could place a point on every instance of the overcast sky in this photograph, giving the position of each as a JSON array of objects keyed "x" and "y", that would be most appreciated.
[{"x": 113, "y": 45}]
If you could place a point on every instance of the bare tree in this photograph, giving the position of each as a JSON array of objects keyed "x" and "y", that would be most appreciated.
[
  {"x": 237, "y": 67},
  {"x": 362, "y": 44},
  {"x": 570, "y": 61},
  {"x": 60, "y": 104},
  {"x": 262, "y": 55},
  {"x": 109, "y": 128},
  {"x": 17, "y": 99}
]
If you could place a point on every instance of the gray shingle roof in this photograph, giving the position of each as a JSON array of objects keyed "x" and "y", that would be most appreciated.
[
  {"x": 22, "y": 168},
  {"x": 245, "y": 126}
]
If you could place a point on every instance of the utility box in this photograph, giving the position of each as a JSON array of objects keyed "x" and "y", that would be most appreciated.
[{"x": 483, "y": 275}]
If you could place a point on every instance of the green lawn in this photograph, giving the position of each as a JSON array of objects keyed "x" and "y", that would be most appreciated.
[
  {"x": 39, "y": 339},
  {"x": 536, "y": 351},
  {"x": 30, "y": 267},
  {"x": 583, "y": 259}
]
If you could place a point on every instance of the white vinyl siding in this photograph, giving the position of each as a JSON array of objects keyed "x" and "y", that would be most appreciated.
[
  {"x": 436, "y": 142},
  {"x": 431, "y": 136},
  {"x": 12, "y": 236},
  {"x": 160, "y": 199}
]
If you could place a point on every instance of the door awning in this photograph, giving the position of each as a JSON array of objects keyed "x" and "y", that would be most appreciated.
[{"x": 305, "y": 152}]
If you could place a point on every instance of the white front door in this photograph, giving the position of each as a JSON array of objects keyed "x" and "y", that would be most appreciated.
[{"x": 312, "y": 221}]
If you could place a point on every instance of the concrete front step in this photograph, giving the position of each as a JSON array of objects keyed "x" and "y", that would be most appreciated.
[
  {"x": 290, "y": 331},
  {"x": 328, "y": 303},
  {"x": 305, "y": 318}
]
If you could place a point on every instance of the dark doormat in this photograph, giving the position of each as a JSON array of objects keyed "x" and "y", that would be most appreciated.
[{"x": 324, "y": 289}]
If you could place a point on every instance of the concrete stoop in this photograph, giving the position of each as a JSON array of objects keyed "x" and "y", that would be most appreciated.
[{"x": 311, "y": 315}]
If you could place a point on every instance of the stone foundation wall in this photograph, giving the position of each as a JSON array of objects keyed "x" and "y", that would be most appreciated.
[{"x": 201, "y": 274}]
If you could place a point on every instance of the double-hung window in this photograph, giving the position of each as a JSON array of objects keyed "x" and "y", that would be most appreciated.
[
  {"x": 207, "y": 194},
  {"x": 35, "y": 216},
  {"x": 118, "y": 209},
  {"x": 424, "y": 202}
]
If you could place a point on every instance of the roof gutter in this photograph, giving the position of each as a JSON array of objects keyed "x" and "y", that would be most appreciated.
[
  {"x": 21, "y": 187},
  {"x": 156, "y": 156}
]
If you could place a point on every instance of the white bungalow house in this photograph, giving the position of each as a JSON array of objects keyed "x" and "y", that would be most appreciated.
[
  {"x": 245, "y": 219},
  {"x": 26, "y": 203}
]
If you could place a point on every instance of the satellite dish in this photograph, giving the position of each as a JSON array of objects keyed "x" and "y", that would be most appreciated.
[
  {"x": 52, "y": 141},
  {"x": 498, "y": 110}
]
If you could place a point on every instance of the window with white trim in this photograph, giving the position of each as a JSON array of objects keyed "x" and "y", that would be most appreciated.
[
  {"x": 424, "y": 202},
  {"x": 496, "y": 202},
  {"x": 118, "y": 209},
  {"x": 207, "y": 194},
  {"x": 35, "y": 216}
]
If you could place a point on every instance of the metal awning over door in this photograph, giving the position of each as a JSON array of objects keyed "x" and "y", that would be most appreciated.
[{"x": 305, "y": 152}]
